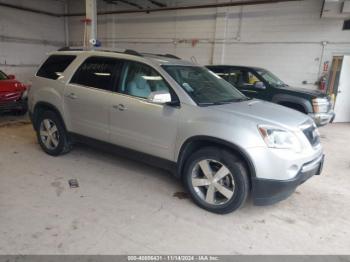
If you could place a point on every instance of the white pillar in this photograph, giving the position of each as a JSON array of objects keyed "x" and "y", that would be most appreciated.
[
  {"x": 218, "y": 54},
  {"x": 91, "y": 14}
]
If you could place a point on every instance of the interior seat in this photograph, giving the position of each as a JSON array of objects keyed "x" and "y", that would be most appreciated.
[{"x": 138, "y": 87}]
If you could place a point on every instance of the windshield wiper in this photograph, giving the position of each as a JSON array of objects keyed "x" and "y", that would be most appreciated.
[
  {"x": 282, "y": 85},
  {"x": 206, "y": 104},
  {"x": 235, "y": 100},
  {"x": 225, "y": 102}
]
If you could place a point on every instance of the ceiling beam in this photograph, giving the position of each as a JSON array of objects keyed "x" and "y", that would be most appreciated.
[
  {"x": 188, "y": 7},
  {"x": 31, "y": 10},
  {"x": 139, "y": 10},
  {"x": 124, "y": 2},
  {"x": 159, "y": 4}
]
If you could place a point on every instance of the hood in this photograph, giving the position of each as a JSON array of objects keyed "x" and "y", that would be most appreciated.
[
  {"x": 263, "y": 112},
  {"x": 11, "y": 85},
  {"x": 311, "y": 92}
]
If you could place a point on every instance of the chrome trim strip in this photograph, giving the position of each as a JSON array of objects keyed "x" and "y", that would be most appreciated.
[{"x": 312, "y": 165}]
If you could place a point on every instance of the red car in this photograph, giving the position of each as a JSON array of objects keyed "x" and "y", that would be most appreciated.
[{"x": 13, "y": 95}]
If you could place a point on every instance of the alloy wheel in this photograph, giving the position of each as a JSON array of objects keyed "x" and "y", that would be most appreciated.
[
  {"x": 49, "y": 134},
  {"x": 213, "y": 182}
]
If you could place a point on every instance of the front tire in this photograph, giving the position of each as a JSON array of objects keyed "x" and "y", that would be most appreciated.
[
  {"x": 52, "y": 135},
  {"x": 217, "y": 180}
]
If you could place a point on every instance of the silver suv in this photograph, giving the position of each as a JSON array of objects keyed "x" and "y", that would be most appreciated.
[{"x": 158, "y": 107}]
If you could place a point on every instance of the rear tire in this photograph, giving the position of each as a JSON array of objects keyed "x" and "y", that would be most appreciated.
[
  {"x": 217, "y": 180},
  {"x": 52, "y": 135}
]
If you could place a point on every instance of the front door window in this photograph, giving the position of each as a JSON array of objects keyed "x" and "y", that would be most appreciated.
[{"x": 140, "y": 80}]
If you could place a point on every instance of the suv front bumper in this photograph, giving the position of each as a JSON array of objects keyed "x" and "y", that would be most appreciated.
[
  {"x": 270, "y": 191},
  {"x": 322, "y": 119}
]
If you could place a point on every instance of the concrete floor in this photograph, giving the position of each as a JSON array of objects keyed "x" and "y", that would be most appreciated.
[{"x": 125, "y": 207}]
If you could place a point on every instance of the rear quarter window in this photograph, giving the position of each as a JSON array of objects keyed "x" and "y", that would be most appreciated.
[{"x": 55, "y": 65}]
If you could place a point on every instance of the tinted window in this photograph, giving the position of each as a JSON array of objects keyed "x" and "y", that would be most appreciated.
[
  {"x": 235, "y": 77},
  {"x": 240, "y": 78},
  {"x": 270, "y": 78},
  {"x": 55, "y": 65},
  {"x": 97, "y": 72},
  {"x": 140, "y": 80},
  {"x": 230, "y": 75}
]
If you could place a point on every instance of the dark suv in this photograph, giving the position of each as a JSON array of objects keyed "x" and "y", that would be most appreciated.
[{"x": 260, "y": 83}]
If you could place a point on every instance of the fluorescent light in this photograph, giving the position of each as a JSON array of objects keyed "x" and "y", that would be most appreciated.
[
  {"x": 155, "y": 78},
  {"x": 102, "y": 74}
]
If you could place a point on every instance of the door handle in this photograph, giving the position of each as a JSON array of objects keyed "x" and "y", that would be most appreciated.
[
  {"x": 72, "y": 96},
  {"x": 120, "y": 107}
]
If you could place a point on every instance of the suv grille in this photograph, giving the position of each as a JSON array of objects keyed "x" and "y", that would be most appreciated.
[{"x": 312, "y": 135}]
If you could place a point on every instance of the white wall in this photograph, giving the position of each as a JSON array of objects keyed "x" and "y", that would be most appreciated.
[
  {"x": 284, "y": 37},
  {"x": 26, "y": 37}
]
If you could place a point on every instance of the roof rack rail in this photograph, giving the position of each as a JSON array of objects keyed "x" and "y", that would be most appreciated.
[
  {"x": 68, "y": 48},
  {"x": 172, "y": 56},
  {"x": 132, "y": 52},
  {"x": 165, "y": 55},
  {"x": 113, "y": 50},
  {"x": 123, "y": 51}
]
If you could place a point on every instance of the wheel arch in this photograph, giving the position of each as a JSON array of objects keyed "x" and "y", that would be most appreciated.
[
  {"x": 194, "y": 143},
  {"x": 285, "y": 99},
  {"x": 41, "y": 107}
]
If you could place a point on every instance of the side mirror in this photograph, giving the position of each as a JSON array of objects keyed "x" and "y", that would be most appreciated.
[
  {"x": 159, "y": 97},
  {"x": 11, "y": 77},
  {"x": 259, "y": 85}
]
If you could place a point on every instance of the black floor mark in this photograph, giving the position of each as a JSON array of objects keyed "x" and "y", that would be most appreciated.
[
  {"x": 73, "y": 183},
  {"x": 181, "y": 195}
]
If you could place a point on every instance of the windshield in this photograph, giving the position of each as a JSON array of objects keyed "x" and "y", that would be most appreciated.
[
  {"x": 270, "y": 78},
  {"x": 3, "y": 76},
  {"x": 203, "y": 86}
]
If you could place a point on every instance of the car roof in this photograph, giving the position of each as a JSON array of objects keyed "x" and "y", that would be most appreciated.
[{"x": 155, "y": 59}]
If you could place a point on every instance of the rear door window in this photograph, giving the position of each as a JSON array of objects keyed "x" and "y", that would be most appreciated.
[
  {"x": 232, "y": 75},
  {"x": 98, "y": 72},
  {"x": 245, "y": 78},
  {"x": 55, "y": 65}
]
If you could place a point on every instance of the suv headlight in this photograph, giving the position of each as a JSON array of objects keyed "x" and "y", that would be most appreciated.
[
  {"x": 320, "y": 105},
  {"x": 275, "y": 137}
]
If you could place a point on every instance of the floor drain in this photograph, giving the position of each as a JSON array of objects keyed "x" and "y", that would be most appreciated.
[{"x": 73, "y": 183}]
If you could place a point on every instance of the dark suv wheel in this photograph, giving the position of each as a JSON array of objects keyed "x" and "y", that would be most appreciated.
[
  {"x": 51, "y": 134},
  {"x": 217, "y": 180}
]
